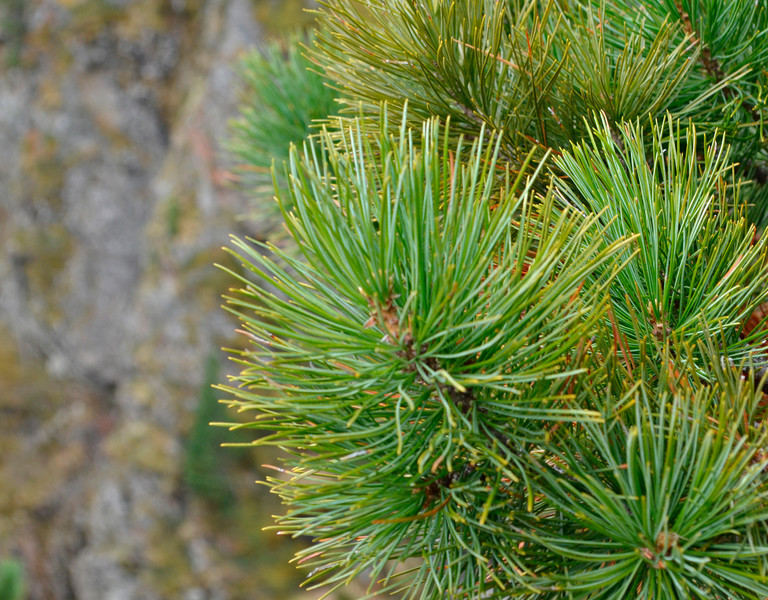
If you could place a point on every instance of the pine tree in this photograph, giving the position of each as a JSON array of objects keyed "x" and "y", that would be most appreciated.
[{"x": 517, "y": 349}]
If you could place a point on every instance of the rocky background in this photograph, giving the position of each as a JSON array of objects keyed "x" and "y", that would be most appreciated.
[{"x": 115, "y": 202}]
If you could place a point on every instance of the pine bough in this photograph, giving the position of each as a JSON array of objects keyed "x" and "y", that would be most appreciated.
[{"x": 517, "y": 347}]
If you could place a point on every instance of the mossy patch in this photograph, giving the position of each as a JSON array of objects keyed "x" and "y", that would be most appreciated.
[
  {"x": 89, "y": 17},
  {"x": 40, "y": 448},
  {"x": 43, "y": 168},
  {"x": 46, "y": 252},
  {"x": 145, "y": 446},
  {"x": 169, "y": 572},
  {"x": 142, "y": 15},
  {"x": 183, "y": 221},
  {"x": 207, "y": 280},
  {"x": 279, "y": 16}
]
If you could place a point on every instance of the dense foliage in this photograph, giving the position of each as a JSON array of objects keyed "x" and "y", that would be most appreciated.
[
  {"x": 282, "y": 97},
  {"x": 517, "y": 349}
]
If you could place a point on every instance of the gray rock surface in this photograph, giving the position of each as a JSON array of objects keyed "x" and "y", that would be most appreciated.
[{"x": 115, "y": 203}]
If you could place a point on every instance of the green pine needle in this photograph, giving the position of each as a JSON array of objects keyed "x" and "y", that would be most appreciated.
[
  {"x": 428, "y": 338},
  {"x": 698, "y": 268}
]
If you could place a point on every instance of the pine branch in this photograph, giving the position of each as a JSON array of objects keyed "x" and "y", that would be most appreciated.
[
  {"x": 491, "y": 387},
  {"x": 476, "y": 63},
  {"x": 453, "y": 305},
  {"x": 697, "y": 263},
  {"x": 712, "y": 65},
  {"x": 282, "y": 102},
  {"x": 670, "y": 501}
]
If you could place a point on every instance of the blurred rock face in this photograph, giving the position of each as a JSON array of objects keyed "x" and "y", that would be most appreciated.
[
  {"x": 109, "y": 93},
  {"x": 115, "y": 204}
]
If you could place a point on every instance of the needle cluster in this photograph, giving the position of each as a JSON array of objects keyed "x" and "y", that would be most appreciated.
[{"x": 517, "y": 347}]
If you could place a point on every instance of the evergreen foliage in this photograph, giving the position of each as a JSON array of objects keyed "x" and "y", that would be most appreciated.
[
  {"x": 282, "y": 97},
  {"x": 518, "y": 349},
  {"x": 11, "y": 580},
  {"x": 204, "y": 465},
  {"x": 699, "y": 268}
]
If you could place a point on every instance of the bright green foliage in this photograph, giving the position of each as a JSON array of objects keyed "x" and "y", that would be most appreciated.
[
  {"x": 698, "y": 268},
  {"x": 517, "y": 350},
  {"x": 534, "y": 70},
  {"x": 727, "y": 90},
  {"x": 725, "y": 46},
  {"x": 663, "y": 499},
  {"x": 11, "y": 580},
  {"x": 283, "y": 97},
  {"x": 429, "y": 335},
  {"x": 625, "y": 76},
  {"x": 470, "y": 62}
]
